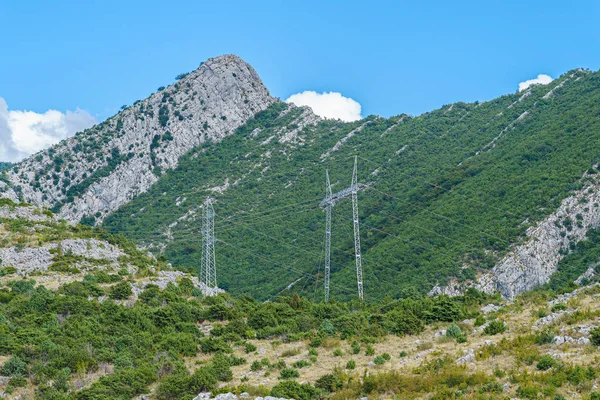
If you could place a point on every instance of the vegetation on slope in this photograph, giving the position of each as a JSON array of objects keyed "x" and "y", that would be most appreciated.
[
  {"x": 72, "y": 344},
  {"x": 451, "y": 188}
]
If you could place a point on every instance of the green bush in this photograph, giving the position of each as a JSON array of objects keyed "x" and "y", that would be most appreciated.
[
  {"x": 301, "y": 364},
  {"x": 15, "y": 366},
  {"x": 494, "y": 327},
  {"x": 595, "y": 336},
  {"x": 480, "y": 320},
  {"x": 379, "y": 360},
  {"x": 120, "y": 291},
  {"x": 351, "y": 364},
  {"x": 256, "y": 366},
  {"x": 453, "y": 331},
  {"x": 289, "y": 373},
  {"x": 329, "y": 383},
  {"x": 249, "y": 348},
  {"x": 545, "y": 363},
  {"x": 215, "y": 345},
  {"x": 295, "y": 390}
]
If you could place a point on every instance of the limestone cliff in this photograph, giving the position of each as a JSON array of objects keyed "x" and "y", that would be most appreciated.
[{"x": 102, "y": 168}]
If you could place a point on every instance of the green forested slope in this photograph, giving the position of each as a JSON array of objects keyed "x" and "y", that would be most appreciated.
[{"x": 457, "y": 185}]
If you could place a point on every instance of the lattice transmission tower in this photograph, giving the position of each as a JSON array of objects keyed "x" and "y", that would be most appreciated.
[
  {"x": 328, "y": 202},
  {"x": 208, "y": 270}
]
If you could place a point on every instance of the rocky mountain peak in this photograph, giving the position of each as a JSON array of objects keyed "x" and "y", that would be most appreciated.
[{"x": 97, "y": 171}]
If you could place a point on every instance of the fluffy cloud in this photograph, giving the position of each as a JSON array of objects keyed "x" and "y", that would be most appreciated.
[
  {"x": 541, "y": 79},
  {"x": 330, "y": 105},
  {"x": 25, "y": 132}
]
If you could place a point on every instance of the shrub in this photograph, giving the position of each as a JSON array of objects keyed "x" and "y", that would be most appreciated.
[
  {"x": 494, "y": 327},
  {"x": 351, "y": 364},
  {"x": 355, "y": 347},
  {"x": 327, "y": 328},
  {"x": 559, "y": 307},
  {"x": 295, "y": 390},
  {"x": 338, "y": 353},
  {"x": 329, "y": 383},
  {"x": 480, "y": 320},
  {"x": 544, "y": 337},
  {"x": 256, "y": 366},
  {"x": 249, "y": 348},
  {"x": 120, "y": 291},
  {"x": 15, "y": 366},
  {"x": 453, "y": 331},
  {"x": 214, "y": 345},
  {"x": 289, "y": 373},
  {"x": 379, "y": 360},
  {"x": 220, "y": 366},
  {"x": 301, "y": 364},
  {"x": 545, "y": 363},
  {"x": 369, "y": 351},
  {"x": 595, "y": 336}
]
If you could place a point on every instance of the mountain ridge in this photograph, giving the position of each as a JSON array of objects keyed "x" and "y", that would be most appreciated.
[
  {"x": 103, "y": 167},
  {"x": 451, "y": 193}
]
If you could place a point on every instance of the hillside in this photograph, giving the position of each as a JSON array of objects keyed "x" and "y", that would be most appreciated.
[
  {"x": 97, "y": 171},
  {"x": 491, "y": 195},
  {"x": 104, "y": 321},
  {"x": 506, "y": 186}
]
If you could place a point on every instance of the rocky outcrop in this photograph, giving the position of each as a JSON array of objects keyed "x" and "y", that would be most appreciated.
[
  {"x": 38, "y": 259},
  {"x": 163, "y": 278},
  {"x": 102, "y": 168},
  {"x": 532, "y": 263}
]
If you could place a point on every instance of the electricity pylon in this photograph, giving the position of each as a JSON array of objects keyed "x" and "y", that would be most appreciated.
[
  {"x": 359, "y": 274},
  {"x": 328, "y": 208},
  {"x": 328, "y": 202},
  {"x": 208, "y": 270}
]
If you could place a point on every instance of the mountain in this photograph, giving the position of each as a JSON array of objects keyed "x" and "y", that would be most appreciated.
[
  {"x": 85, "y": 315},
  {"x": 497, "y": 195},
  {"x": 99, "y": 170},
  {"x": 464, "y": 195}
]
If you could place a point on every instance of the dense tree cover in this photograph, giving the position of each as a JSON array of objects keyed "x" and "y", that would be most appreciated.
[
  {"x": 457, "y": 186},
  {"x": 57, "y": 336}
]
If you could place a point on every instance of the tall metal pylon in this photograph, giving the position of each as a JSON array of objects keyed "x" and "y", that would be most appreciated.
[
  {"x": 359, "y": 274},
  {"x": 328, "y": 202},
  {"x": 328, "y": 208},
  {"x": 208, "y": 270}
]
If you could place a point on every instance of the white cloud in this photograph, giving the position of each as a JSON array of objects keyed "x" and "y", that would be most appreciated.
[
  {"x": 25, "y": 132},
  {"x": 542, "y": 79},
  {"x": 330, "y": 105}
]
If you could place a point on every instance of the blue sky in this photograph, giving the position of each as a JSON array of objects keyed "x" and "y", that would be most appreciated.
[{"x": 390, "y": 56}]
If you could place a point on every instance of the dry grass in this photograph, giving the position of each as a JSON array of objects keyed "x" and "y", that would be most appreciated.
[{"x": 513, "y": 350}]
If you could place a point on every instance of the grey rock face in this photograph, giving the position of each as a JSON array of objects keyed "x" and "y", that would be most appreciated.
[
  {"x": 469, "y": 357},
  {"x": 30, "y": 213},
  {"x": 531, "y": 264},
  {"x": 30, "y": 259},
  {"x": 99, "y": 170}
]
